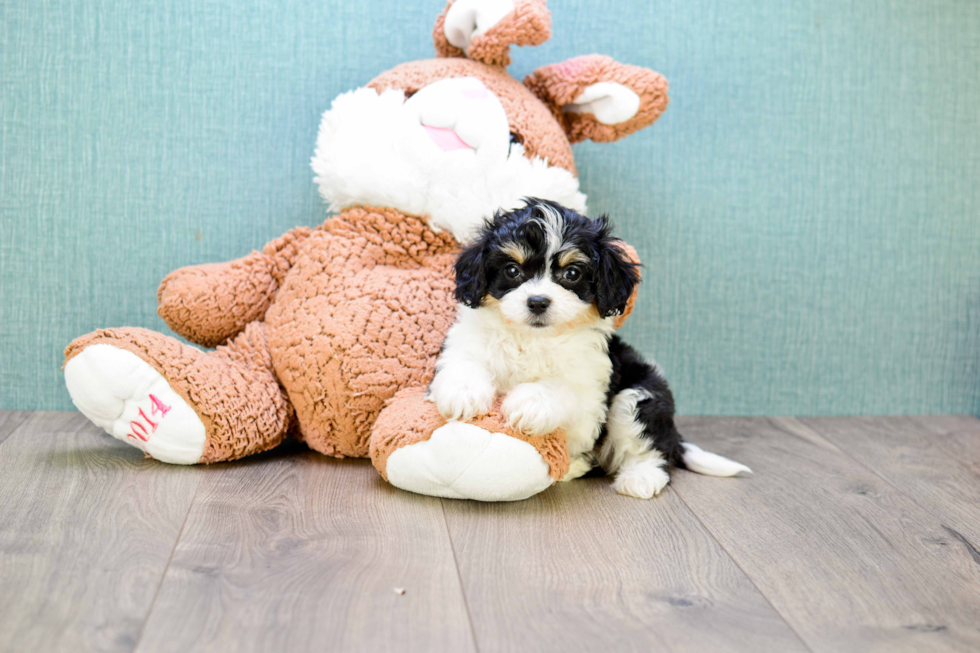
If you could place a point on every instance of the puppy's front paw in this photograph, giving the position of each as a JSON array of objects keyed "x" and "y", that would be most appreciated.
[
  {"x": 533, "y": 409},
  {"x": 643, "y": 479},
  {"x": 461, "y": 398},
  {"x": 578, "y": 467}
]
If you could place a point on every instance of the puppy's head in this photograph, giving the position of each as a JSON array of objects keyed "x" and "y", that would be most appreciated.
[{"x": 544, "y": 265}]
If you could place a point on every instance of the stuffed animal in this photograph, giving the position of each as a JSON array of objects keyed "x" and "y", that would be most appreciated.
[{"x": 331, "y": 334}]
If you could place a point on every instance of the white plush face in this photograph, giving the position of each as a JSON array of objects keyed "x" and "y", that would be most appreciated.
[
  {"x": 462, "y": 119},
  {"x": 444, "y": 153}
]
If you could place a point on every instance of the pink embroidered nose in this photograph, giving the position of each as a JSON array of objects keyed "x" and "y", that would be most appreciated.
[
  {"x": 476, "y": 90},
  {"x": 447, "y": 139}
]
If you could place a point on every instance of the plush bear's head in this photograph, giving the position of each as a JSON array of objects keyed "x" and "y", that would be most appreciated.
[{"x": 456, "y": 138}]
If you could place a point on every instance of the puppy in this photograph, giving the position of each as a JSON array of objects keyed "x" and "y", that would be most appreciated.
[{"x": 538, "y": 291}]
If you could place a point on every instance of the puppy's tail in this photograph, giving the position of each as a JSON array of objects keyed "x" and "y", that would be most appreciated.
[{"x": 704, "y": 462}]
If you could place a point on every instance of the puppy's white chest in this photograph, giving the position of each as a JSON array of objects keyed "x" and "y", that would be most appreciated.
[{"x": 573, "y": 359}]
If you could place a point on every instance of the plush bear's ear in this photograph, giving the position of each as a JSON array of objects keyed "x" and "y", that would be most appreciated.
[
  {"x": 596, "y": 97},
  {"x": 616, "y": 274},
  {"x": 484, "y": 30},
  {"x": 471, "y": 271}
]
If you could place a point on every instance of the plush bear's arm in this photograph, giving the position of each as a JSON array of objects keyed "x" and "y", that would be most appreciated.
[{"x": 211, "y": 303}]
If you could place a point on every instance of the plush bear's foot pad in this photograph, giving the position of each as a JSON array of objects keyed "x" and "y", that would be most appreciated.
[
  {"x": 463, "y": 461},
  {"x": 125, "y": 395}
]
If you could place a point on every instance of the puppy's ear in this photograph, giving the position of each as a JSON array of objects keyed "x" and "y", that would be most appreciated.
[
  {"x": 471, "y": 271},
  {"x": 616, "y": 275}
]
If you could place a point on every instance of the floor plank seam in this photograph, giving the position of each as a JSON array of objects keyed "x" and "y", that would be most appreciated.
[
  {"x": 971, "y": 548},
  {"x": 166, "y": 568},
  {"x": 15, "y": 431},
  {"x": 744, "y": 573},
  {"x": 459, "y": 577}
]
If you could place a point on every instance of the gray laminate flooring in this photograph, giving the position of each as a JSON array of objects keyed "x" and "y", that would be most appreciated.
[{"x": 854, "y": 534}]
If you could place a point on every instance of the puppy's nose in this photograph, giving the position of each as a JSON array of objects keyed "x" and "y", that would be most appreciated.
[{"x": 538, "y": 304}]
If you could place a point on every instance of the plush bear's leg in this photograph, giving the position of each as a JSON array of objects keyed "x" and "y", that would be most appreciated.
[
  {"x": 177, "y": 403},
  {"x": 415, "y": 449}
]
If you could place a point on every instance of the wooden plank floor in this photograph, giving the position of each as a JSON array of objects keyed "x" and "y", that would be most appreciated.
[{"x": 854, "y": 534}]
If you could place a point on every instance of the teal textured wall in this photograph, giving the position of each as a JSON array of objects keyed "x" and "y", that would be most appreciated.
[{"x": 808, "y": 209}]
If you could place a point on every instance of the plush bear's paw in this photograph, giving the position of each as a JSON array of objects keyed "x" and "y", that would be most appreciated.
[
  {"x": 463, "y": 461},
  {"x": 533, "y": 409},
  {"x": 126, "y": 396},
  {"x": 641, "y": 478},
  {"x": 460, "y": 396}
]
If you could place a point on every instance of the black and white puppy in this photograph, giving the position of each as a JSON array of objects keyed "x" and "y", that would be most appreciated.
[{"x": 539, "y": 289}]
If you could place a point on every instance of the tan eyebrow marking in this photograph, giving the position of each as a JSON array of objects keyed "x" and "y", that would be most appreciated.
[
  {"x": 569, "y": 256},
  {"x": 514, "y": 251}
]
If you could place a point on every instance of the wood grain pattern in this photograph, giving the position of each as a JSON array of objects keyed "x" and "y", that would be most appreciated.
[
  {"x": 933, "y": 460},
  {"x": 580, "y": 568},
  {"x": 87, "y": 525},
  {"x": 10, "y": 420},
  {"x": 849, "y": 561},
  {"x": 294, "y": 551},
  {"x": 853, "y": 535}
]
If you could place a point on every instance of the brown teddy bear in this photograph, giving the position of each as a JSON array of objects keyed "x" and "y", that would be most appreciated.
[{"x": 321, "y": 330}]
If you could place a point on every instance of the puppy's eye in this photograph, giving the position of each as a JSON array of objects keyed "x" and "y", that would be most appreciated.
[
  {"x": 512, "y": 271},
  {"x": 571, "y": 275}
]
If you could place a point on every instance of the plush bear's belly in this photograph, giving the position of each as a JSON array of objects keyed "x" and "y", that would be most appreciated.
[{"x": 353, "y": 323}]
